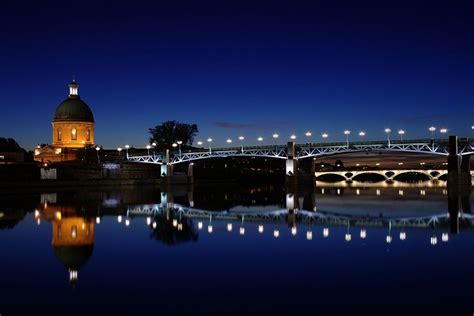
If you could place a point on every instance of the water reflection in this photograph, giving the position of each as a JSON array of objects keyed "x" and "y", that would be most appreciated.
[{"x": 347, "y": 213}]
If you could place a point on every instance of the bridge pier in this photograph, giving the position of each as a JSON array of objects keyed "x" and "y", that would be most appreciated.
[
  {"x": 459, "y": 173},
  {"x": 291, "y": 167}
]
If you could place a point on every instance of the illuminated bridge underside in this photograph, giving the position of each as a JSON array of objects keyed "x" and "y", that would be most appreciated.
[
  {"x": 307, "y": 217},
  {"x": 305, "y": 151},
  {"x": 387, "y": 174}
]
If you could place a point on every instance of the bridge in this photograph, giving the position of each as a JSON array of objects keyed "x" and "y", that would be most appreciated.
[
  {"x": 292, "y": 153},
  {"x": 388, "y": 175}
]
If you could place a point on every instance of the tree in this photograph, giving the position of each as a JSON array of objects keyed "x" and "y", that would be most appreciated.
[{"x": 170, "y": 132}]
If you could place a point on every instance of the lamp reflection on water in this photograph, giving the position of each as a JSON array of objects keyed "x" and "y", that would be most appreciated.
[
  {"x": 325, "y": 232},
  {"x": 260, "y": 229},
  {"x": 276, "y": 233}
]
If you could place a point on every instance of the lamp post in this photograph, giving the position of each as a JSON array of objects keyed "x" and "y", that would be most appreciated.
[
  {"x": 119, "y": 151},
  {"x": 325, "y": 136},
  {"x": 148, "y": 147},
  {"x": 432, "y": 129},
  {"x": 275, "y": 137},
  {"x": 154, "y": 146},
  {"x": 179, "y": 142},
  {"x": 308, "y": 134},
  {"x": 362, "y": 134},
  {"x": 209, "y": 140},
  {"x": 199, "y": 143},
  {"x": 347, "y": 133},
  {"x": 260, "y": 139},
  {"x": 388, "y": 131},
  {"x": 241, "y": 138},
  {"x": 127, "y": 147},
  {"x": 228, "y": 141},
  {"x": 443, "y": 131},
  {"x": 293, "y": 137},
  {"x": 97, "y": 149},
  {"x": 401, "y": 133}
]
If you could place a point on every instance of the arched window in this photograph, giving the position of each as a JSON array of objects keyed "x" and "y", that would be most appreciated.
[
  {"x": 88, "y": 135},
  {"x": 74, "y": 134},
  {"x": 60, "y": 135}
]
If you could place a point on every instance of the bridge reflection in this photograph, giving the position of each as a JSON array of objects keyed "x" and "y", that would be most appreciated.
[{"x": 344, "y": 213}]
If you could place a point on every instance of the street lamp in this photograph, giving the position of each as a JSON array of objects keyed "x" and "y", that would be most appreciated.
[
  {"x": 209, "y": 140},
  {"x": 98, "y": 158},
  {"x": 443, "y": 131},
  {"x": 199, "y": 143},
  {"x": 347, "y": 133},
  {"x": 154, "y": 146},
  {"x": 361, "y": 134},
  {"x": 325, "y": 136},
  {"x": 308, "y": 134},
  {"x": 127, "y": 147},
  {"x": 241, "y": 138},
  {"x": 401, "y": 133},
  {"x": 119, "y": 151},
  {"x": 275, "y": 137},
  {"x": 432, "y": 129},
  {"x": 260, "y": 139},
  {"x": 148, "y": 147},
  {"x": 293, "y": 137},
  {"x": 179, "y": 142},
  {"x": 388, "y": 131}
]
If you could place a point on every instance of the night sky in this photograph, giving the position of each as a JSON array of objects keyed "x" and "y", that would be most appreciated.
[{"x": 238, "y": 68}]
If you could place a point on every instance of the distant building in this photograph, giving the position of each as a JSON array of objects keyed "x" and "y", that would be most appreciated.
[{"x": 73, "y": 130}]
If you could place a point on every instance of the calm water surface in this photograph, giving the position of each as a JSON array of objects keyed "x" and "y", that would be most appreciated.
[{"x": 225, "y": 247}]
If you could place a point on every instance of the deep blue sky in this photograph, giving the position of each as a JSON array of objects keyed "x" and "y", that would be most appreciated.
[{"x": 250, "y": 68}]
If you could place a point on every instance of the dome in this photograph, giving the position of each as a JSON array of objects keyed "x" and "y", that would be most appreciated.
[
  {"x": 73, "y": 109},
  {"x": 74, "y": 257}
]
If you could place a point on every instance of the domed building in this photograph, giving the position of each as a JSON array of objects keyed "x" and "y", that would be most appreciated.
[{"x": 73, "y": 129}]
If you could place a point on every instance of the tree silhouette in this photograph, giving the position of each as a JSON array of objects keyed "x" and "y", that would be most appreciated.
[{"x": 170, "y": 132}]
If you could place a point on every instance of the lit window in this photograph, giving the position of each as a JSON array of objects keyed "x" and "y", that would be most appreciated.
[
  {"x": 2, "y": 157},
  {"x": 74, "y": 134},
  {"x": 88, "y": 135},
  {"x": 60, "y": 134}
]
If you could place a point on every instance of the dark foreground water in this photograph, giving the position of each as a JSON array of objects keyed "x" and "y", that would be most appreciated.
[{"x": 231, "y": 249}]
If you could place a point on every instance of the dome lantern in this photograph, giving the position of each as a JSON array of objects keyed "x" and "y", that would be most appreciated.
[{"x": 73, "y": 88}]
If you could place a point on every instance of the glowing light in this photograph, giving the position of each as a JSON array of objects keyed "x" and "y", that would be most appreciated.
[
  {"x": 127, "y": 222},
  {"x": 209, "y": 229},
  {"x": 241, "y": 138},
  {"x": 361, "y": 133},
  {"x": 229, "y": 227},
  {"x": 388, "y": 239},
  {"x": 97, "y": 220},
  {"x": 445, "y": 237},
  {"x": 260, "y": 229},
  {"x": 363, "y": 233},
  {"x": 401, "y": 132},
  {"x": 348, "y": 237},
  {"x": 174, "y": 145},
  {"x": 148, "y": 220},
  {"x": 180, "y": 227},
  {"x": 242, "y": 230},
  {"x": 293, "y": 137},
  {"x": 199, "y": 225},
  {"x": 403, "y": 236},
  {"x": 377, "y": 192},
  {"x": 275, "y": 136},
  {"x": 74, "y": 232},
  {"x": 325, "y": 135},
  {"x": 209, "y": 140},
  {"x": 293, "y": 230},
  {"x": 229, "y": 141},
  {"x": 154, "y": 225},
  {"x": 127, "y": 146},
  {"x": 388, "y": 130},
  {"x": 400, "y": 192},
  {"x": 423, "y": 192},
  {"x": 309, "y": 235},
  {"x": 260, "y": 139},
  {"x": 357, "y": 191},
  {"x": 175, "y": 222},
  {"x": 58, "y": 215},
  {"x": 325, "y": 232},
  {"x": 179, "y": 142},
  {"x": 199, "y": 143},
  {"x": 119, "y": 218},
  {"x": 119, "y": 149},
  {"x": 276, "y": 233},
  {"x": 97, "y": 148},
  {"x": 347, "y": 132},
  {"x": 443, "y": 130},
  {"x": 308, "y": 134},
  {"x": 432, "y": 129},
  {"x": 433, "y": 240}
]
